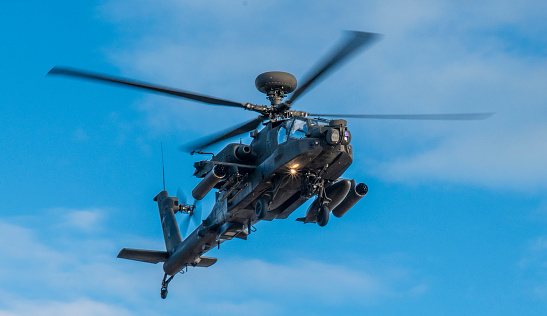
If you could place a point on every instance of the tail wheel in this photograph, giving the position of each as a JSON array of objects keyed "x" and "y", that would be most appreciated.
[
  {"x": 323, "y": 216},
  {"x": 261, "y": 208}
]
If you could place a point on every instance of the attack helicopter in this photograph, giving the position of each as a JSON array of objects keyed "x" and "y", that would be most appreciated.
[{"x": 295, "y": 156}]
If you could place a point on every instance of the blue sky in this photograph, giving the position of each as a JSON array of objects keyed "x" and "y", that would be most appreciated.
[{"x": 456, "y": 216}]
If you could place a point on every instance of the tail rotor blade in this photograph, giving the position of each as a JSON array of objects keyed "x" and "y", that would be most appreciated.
[
  {"x": 184, "y": 226},
  {"x": 196, "y": 217},
  {"x": 181, "y": 196}
]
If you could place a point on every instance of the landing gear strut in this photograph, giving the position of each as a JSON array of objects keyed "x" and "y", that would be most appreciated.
[
  {"x": 164, "y": 284},
  {"x": 318, "y": 211}
]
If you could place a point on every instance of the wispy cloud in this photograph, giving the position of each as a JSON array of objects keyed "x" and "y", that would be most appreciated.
[
  {"x": 443, "y": 57},
  {"x": 534, "y": 267},
  {"x": 81, "y": 273},
  {"x": 512, "y": 159},
  {"x": 83, "y": 220},
  {"x": 58, "y": 308}
]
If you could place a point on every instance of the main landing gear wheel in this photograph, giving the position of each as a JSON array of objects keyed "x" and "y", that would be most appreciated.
[
  {"x": 323, "y": 216},
  {"x": 261, "y": 208},
  {"x": 163, "y": 292}
]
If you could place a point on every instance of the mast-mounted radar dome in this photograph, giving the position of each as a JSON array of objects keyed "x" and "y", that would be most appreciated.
[{"x": 275, "y": 81}]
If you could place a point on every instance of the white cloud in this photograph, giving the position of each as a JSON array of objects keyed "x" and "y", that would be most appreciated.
[
  {"x": 533, "y": 266},
  {"x": 59, "y": 259},
  {"x": 18, "y": 244},
  {"x": 281, "y": 288},
  {"x": 56, "y": 308},
  {"x": 443, "y": 57},
  {"x": 536, "y": 255},
  {"x": 65, "y": 273},
  {"x": 83, "y": 220},
  {"x": 302, "y": 280},
  {"x": 503, "y": 160}
]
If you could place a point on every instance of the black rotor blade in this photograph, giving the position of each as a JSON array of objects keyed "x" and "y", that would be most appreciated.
[
  {"x": 184, "y": 225},
  {"x": 181, "y": 196},
  {"x": 355, "y": 41},
  {"x": 143, "y": 85},
  {"x": 442, "y": 117},
  {"x": 196, "y": 217},
  {"x": 220, "y": 136}
]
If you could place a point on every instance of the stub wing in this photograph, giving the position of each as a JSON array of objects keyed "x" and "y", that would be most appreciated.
[
  {"x": 206, "y": 262},
  {"x": 150, "y": 256}
]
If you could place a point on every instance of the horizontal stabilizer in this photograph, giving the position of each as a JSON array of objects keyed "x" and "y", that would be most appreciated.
[
  {"x": 206, "y": 262},
  {"x": 150, "y": 256}
]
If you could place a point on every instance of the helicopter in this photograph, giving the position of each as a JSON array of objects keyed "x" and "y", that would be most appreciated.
[{"x": 294, "y": 157}]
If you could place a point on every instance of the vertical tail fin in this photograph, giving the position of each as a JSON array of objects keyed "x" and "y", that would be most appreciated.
[{"x": 168, "y": 206}]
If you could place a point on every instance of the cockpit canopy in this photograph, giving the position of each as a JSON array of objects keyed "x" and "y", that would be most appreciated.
[{"x": 297, "y": 127}]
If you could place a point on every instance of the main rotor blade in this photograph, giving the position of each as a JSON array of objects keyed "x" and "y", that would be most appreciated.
[
  {"x": 220, "y": 136},
  {"x": 355, "y": 41},
  {"x": 143, "y": 85},
  {"x": 442, "y": 117}
]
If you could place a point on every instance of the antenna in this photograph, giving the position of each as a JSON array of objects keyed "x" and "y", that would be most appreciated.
[{"x": 162, "y": 166}]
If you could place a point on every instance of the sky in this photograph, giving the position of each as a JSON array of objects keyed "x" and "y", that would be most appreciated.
[{"x": 455, "y": 221}]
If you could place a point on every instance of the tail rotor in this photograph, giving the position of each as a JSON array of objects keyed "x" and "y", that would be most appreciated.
[{"x": 193, "y": 212}]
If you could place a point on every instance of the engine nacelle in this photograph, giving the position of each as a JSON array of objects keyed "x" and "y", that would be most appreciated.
[
  {"x": 209, "y": 182},
  {"x": 337, "y": 192},
  {"x": 236, "y": 153},
  {"x": 356, "y": 192},
  {"x": 244, "y": 153}
]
